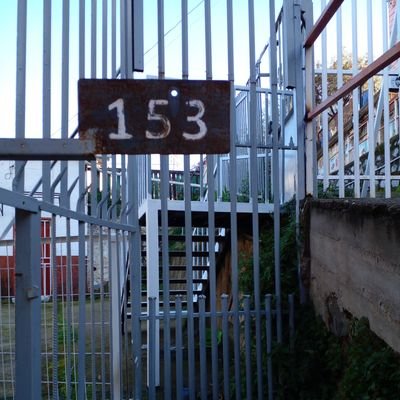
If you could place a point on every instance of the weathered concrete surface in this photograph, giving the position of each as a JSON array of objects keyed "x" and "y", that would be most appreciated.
[{"x": 354, "y": 250}]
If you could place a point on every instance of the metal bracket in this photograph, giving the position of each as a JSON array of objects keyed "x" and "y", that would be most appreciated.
[{"x": 32, "y": 293}]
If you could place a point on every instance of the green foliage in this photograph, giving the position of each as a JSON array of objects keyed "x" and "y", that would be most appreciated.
[
  {"x": 226, "y": 195},
  {"x": 325, "y": 367},
  {"x": 311, "y": 370},
  {"x": 372, "y": 369},
  {"x": 320, "y": 366},
  {"x": 288, "y": 259},
  {"x": 244, "y": 192}
]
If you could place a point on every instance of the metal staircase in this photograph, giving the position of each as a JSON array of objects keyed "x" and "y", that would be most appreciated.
[{"x": 178, "y": 269}]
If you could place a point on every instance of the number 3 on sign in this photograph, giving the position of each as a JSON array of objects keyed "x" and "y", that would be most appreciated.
[{"x": 166, "y": 124}]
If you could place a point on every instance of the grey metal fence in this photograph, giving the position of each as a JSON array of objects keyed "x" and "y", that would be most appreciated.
[{"x": 353, "y": 100}]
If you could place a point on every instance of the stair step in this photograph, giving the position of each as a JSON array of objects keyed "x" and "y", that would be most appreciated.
[
  {"x": 177, "y": 281},
  {"x": 182, "y": 238},
  {"x": 180, "y": 253},
  {"x": 172, "y": 305},
  {"x": 183, "y": 267},
  {"x": 173, "y": 292}
]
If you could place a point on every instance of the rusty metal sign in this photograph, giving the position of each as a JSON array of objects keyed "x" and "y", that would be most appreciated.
[{"x": 155, "y": 116}]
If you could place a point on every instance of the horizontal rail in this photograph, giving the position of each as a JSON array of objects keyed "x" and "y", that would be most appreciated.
[
  {"x": 47, "y": 149},
  {"x": 381, "y": 62},
  {"x": 18, "y": 200},
  {"x": 322, "y": 21}
]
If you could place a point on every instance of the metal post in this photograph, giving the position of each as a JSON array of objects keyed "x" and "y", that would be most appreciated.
[
  {"x": 27, "y": 306},
  {"x": 275, "y": 161},
  {"x": 115, "y": 312},
  {"x": 202, "y": 344},
  {"x": 152, "y": 267},
  {"x": 268, "y": 299},
  {"x": 254, "y": 190},
  {"x": 247, "y": 341},
  {"x": 151, "y": 366},
  {"x": 233, "y": 200},
  {"x": 310, "y": 148},
  {"x": 225, "y": 344},
  {"x": 178, "y": 347}
]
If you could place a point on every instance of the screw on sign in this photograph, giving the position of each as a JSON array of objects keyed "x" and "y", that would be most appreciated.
[{"x": 155, "y": 116}]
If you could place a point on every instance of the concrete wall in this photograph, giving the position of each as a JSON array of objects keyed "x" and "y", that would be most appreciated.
[{"x": 354, "y": 264}]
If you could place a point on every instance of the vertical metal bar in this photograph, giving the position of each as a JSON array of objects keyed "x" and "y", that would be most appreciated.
[
  {"x": 189, "y": 277},
  {"x": 82, "y": 278},
  {"x": 211, "y": 218},
  {"x": 92, "y": 313},
  {"x": 356, "y": 117},
  {"x": 299, "y": 109},
  {"x": 135, "y": 275},
  {"x": 275, "y": 161},
  {"x": 310, "y": 145},
  {"x": 247, "y": 340},
  {"x": 123, "y": 185},
  {"x": 225, "y": 344},
  {"x": 233, "y": 201},
  {"x": 178, "y": 348},
  {"x": 54, "y": 293},
  {"x": 254, "y": 189},
  {"x": 129, "y": 39},
  {"x": 325, "y": 127},
  {"x": 340, "y": 115},
  {"x": 201, "y": 177},
  {"x": 93, "y": 39},
  {"x": 138, "y": 51},
  {"x": 161, "y": 46},
  {"x": 82, "y": 25},
  {"x": 123, "y": 38},
  {"x": 114, "y": 38},
  {"x": 46, "y": 119},
  {"x": 104, "y": 27},
  {"x": 188, "y": 220},
  {"x": 202, "y": 347},
  {"x": 93, "y": 73},
  {"x": 268, "y": 299},
  {"x": 207, "y": 25},
  {"x": 370, "y": 126},
  {"x": 64, "y": 201},
  {"x": 164, "y": 194},
  {"x": 102, "y": 308},
  {"x": 386, "y": 116},
  {"x": 20, "y": 97},
  {"x": 68, "y": 295},
  {"x": 82, "y": 274},
  {"x": 152, "y": 348},
  {"x": 20, "y": 91},
  {"x": 27, "y": 306},
  {"x": 115, "y": 315},
  {"x": 185, "y": 45},
  {"x": 212, "y": 273}
]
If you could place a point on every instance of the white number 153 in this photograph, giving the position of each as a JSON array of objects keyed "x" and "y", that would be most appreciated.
[{"x": 164, "y": 121}]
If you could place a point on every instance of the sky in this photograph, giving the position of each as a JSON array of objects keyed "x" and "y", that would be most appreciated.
[{"x": 8, "y": 28}]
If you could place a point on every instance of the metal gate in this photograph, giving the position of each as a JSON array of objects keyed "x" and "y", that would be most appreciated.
[{"x": 135, "y": 289}]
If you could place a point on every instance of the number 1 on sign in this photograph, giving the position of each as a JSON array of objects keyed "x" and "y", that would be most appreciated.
[{"x": 122, "y": 133}]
